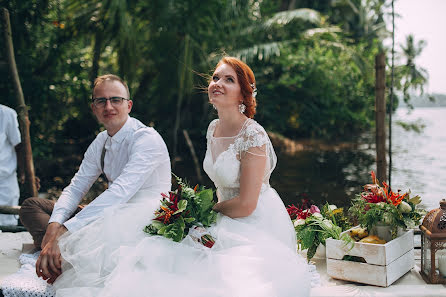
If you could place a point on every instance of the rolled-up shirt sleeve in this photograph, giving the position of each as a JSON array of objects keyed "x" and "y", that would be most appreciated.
[
  {"x": 87, "y": 174},
  {"x": 13, "y": 131},
  {"x": 147, "y": 152}
]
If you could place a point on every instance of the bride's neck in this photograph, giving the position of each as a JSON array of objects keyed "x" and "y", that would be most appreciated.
[{"x": 230, "y": 122}]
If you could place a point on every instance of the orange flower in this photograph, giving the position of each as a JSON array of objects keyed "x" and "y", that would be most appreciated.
[
  {"x": 392, "y": 197},
  {"x": 374, "y": 179}
]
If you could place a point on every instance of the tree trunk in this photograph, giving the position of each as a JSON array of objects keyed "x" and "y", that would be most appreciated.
[
  {"x": 144, "y": 85},
  {"x": 292, "y": 5},
  {"x": 284, "y": 4},
  {"x": 181, "y": 93},
  {"x": 380, "y": 116},
  {"x": 30, "y": 186},
  {"x": 97, "y": 50}
]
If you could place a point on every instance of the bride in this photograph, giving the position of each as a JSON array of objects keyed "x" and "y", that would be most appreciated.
[{"x": 255, "y": 249}]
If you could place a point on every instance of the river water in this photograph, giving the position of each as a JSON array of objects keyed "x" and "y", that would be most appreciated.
[
  {"x": 418, "y": 164},
  {"x": 419, "y": 159}
]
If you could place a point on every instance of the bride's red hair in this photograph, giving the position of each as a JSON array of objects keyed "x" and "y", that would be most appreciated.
[{"x": 246, "y": 79}]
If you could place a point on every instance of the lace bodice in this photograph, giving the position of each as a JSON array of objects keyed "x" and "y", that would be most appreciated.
[{"x": 223, "y": 156}]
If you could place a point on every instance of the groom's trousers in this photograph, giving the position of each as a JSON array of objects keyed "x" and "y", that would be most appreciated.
[{"x": 35, "y": 214}]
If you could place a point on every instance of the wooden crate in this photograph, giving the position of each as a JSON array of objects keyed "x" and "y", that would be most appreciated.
[{"x": 385, "y": 263}]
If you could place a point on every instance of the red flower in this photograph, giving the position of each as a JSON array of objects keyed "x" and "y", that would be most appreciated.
[
  {"x": 292, "y": 211},
  {"x": 371, "y": 197},
  {"x": 298, "y": 213},
  {"x": 166, "y": 212}
]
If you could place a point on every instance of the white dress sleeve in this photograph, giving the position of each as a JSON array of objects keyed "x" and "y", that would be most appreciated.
[{"x": 253, "y": 140}]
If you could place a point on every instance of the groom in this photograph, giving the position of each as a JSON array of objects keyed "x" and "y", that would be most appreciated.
[{"x": 132, "y": 156}]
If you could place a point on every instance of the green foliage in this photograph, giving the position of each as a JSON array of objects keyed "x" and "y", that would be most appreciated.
[
  {"x": 315, "y": 231},
  {"x": 204, "y": 201},
  {"x": 174, "y": 231},
  {"x": 372, "y": 214},
  {"x": 181, "y": 210},
  {"x": 336, "y": 215},
  {"x": 313, "y": 60}
]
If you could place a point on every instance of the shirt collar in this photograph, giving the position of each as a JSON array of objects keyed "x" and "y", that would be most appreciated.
[{"x": 122, "y": 133}]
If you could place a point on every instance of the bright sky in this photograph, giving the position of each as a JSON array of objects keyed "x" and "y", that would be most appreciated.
[{"x": 426, "y": 20}]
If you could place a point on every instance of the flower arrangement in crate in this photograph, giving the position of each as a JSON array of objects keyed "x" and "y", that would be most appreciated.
[
  {"x": 313, "y": 226},
  {"x": 379, "y": 205}
]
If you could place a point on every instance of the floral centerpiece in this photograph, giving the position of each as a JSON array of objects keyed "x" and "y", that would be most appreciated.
[
  {"x": 183, "y": 209},
  {"x": 377, "y": 205},
  {"x": 314, "y": 226}
]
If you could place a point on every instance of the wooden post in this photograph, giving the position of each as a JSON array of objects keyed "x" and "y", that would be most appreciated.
[
  {"x": 380, "y": 116},
  {"x": 22, "y": 109}
]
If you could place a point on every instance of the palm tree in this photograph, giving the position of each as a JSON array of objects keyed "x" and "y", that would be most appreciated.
[
  {"x": 106, "y": 23},
  {"x": 410, "y": 76}
]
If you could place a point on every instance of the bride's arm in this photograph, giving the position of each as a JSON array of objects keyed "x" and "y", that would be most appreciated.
[{"x": 252, "y": 171}]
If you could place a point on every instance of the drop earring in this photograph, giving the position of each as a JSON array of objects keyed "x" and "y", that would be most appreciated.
[{"x": 241, "y": 108}]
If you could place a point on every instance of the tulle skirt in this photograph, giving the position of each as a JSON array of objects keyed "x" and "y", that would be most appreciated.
[{"x": 252, "y": 257}]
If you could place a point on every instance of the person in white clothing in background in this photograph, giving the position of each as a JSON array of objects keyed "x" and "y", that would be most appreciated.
[
  {"x": 9, "y": 142},
  {"x": 133, "y": 158}
]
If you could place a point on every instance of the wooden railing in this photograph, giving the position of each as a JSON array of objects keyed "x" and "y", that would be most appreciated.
[{"x": 11, "y": 210}]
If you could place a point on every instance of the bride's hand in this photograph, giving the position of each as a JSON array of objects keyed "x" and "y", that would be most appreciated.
[{"x": 216, "y": 207}]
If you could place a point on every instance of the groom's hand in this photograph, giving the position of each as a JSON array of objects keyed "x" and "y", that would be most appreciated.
[{"x": 48, "y": 266}]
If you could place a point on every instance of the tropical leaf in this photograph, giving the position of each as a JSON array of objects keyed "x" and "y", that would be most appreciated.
[
  {"x": 174, "y": 231},
  {"x": 283, "y": 18},
  {"x": 259, "y": 51},
  {"x": 182, "y": 204}
]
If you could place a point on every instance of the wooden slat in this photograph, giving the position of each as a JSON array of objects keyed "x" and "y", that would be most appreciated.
[
  {"x": 13, "y": 229},
  {"x": 6, "y": 209}
]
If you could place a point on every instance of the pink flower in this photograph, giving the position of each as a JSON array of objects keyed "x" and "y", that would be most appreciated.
[{"x": 314, "y": 209}]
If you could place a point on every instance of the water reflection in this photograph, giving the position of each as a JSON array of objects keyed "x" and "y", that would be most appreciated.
[
  {"x": 333, "y": 176},
  {"x": 419, "y": 160}
]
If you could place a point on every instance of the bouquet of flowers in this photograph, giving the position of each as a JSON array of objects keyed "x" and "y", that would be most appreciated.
[
  {"x": 313, "y": 226},
  {"x": 379, "y": 204},
  {"x": 183, "y": 209}
]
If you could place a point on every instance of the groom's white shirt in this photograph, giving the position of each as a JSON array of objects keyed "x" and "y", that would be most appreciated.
[{"x": 136, "y": 159}]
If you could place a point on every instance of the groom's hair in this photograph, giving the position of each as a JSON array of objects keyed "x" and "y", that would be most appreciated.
[{"x": 109, "y": 77}]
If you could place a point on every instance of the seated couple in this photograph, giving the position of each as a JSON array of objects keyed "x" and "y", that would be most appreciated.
[{"x": 101, "y": 250}]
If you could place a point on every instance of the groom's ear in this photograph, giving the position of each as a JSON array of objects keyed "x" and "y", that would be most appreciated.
[{"x": 129, "y": 105}]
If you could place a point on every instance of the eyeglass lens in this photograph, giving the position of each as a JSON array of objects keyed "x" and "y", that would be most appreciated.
[{"x": 102, "y": 101}]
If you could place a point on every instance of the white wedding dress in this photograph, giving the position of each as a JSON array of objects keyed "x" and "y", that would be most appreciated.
[{"x": 254, "y": 256}]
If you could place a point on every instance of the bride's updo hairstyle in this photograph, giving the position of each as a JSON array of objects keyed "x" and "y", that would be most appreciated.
[{"x": 247, "y": 82}]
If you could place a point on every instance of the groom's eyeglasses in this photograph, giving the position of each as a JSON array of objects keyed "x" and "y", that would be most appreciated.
[{"x": 102, "y": 101}]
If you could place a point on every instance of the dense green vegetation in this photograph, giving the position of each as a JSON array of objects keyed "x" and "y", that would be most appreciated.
[{"x": 313, "y": 60}]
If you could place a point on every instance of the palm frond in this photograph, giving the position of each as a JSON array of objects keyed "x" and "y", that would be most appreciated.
[
  {"x": 329, "y": 31},
  {"x": 285, "y": 17},
  {"x": 259, "y": 51}
]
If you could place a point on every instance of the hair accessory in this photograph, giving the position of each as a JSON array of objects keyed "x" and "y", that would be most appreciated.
[
  {"x": 241, "y": 107},
  {"x": 254, "y": 90}
]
